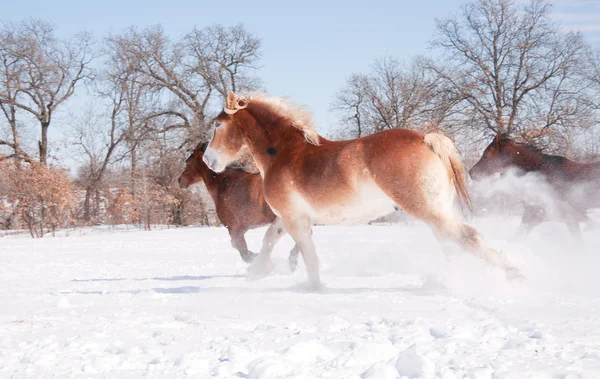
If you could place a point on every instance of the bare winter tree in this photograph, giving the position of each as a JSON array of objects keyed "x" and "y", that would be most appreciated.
[
  {"x": 10, "y": 69},
  {"x": 393, "y": 95},
  {"x": 511, "y": 69},
  {"x": 171, "y": 88},
  {"x": 41, "y": 74},
  {"x": 187, "y": 75},
  {"x": 93, "y": 147},
  {"x": 352, "y": 105},
  {"x": 224, "y": 57},
  {"x": 132, "y": 96}
]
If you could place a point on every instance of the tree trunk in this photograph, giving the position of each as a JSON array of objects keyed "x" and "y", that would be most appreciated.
[
  {"x": 136, "y": 210},
  {"x": 43, "y": 214},
  {"x": 15, "y": 134},
  {"x": 43, "y": 144},
  {"x": 86, "y": 206}
]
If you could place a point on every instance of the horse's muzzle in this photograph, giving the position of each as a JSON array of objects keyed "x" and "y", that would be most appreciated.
[{"x": 210, "y": 162}]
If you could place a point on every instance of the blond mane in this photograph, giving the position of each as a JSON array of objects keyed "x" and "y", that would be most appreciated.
[{"x": 301, "y": 119}]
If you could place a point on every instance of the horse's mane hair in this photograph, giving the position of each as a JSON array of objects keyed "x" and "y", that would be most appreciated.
[
  {"x": 534, "y": 149},
  {"x": 529, "y": 146},
  {"x": 300, "y": 118}
]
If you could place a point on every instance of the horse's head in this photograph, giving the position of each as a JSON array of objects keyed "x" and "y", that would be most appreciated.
[
  {"x": 193, "y": 173},
  {"x": 227, "y": 140},
  {"x": 501, "y": 154}
]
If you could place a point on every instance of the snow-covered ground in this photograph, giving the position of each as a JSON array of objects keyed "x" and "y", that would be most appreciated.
[{"x": 172, "y": 303}]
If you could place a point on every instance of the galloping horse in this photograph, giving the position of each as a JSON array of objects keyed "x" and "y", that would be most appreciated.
[
  {"x": 308, "y": 179},
  {"x": 572, "y": 187},
  {"x": 239, "y": 201}
]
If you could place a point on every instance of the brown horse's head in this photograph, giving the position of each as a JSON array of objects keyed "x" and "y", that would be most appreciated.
[
  {"x": 501, "y": 154},
  {"x": 193, "y": 167},
  {"x": 259, "y": 123},
  {"x": 227, "y": 139}
]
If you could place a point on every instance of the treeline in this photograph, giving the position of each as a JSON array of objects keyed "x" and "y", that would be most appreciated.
[
  {"x": 153, "y": 98},
  {"x": 498, "y": 65}
]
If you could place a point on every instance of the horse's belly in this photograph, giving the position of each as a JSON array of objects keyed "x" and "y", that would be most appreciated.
[{"x": 366, "y": 204}]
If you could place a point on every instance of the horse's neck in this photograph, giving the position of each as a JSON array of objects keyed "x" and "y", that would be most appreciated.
[
  {"x": 211, "y": 179},
  {"x": 530, "y": 161},
  {"x": 282, "y": 142}
]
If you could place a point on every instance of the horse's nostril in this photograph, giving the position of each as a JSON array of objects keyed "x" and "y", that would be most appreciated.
[{"x": 181, "y": 184}]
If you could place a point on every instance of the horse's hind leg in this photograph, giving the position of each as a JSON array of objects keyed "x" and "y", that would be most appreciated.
[
  {"x": 572, "y": 221},
  {"x": 450, "y": 228},
  {"x": 239, "y": 243},
  {"x": 429, "y": 197},
  {"x": 435, "y": 208},
  {"x": 532, "y": 217},
  {"x": 293, "y": 259}
]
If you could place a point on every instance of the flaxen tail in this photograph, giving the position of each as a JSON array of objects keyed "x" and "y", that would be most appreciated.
[{"x": 445, "y": 149}]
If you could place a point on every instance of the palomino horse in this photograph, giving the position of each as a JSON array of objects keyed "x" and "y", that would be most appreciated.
[
  {"x": 239, "y": 201},
  {"x": 308, "y": 179},
  {"x": 569, "y": 188}
]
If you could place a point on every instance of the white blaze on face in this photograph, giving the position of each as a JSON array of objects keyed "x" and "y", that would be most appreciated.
[{"x": 214, "y": 158}]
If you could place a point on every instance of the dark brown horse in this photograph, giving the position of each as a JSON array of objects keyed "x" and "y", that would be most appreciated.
[
  {"x": 239, "y": 201},
  {"x": 568, "y": 188},
  {"x": 308, "y": 179}
]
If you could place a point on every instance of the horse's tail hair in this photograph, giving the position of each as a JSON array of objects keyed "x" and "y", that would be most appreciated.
[{"x": 445, "y": 149}]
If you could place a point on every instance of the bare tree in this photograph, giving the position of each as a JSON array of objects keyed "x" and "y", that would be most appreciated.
[
  {"x": 511, "y": 69},
  {"x": 97, "y": 138},
  {"x": 11, "y": 68},
  {"x": 393, "y": 95},
  {"x": 224, "y": 57},
  {"x": 47, "y": 72},
  {"x": 188, "y": 74},
  {"x": 351, "y": 103}
]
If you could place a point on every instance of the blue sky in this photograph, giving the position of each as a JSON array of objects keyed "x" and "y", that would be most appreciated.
[{"x": 309, "y": 47}]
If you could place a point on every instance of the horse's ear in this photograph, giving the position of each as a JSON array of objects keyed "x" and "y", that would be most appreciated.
[
  {"x": 231, "y": 102},
  {"x": 242, "y": 103}
]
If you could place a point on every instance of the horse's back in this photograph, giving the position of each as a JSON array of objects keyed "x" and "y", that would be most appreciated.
[
  {"x": 355, "y": 180},
  {"x": 339, "y": 160}
]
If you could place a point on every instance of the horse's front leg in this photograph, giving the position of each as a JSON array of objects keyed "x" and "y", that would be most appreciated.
[
  {"x": 239, "y": 243},
  {"x": 300, "y": 230},
  {"x": 293, "y": 259},
  {"x": 262, "y": 264}
]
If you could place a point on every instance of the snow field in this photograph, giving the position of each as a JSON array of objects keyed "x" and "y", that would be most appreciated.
[{"x": 177, "y": 303}]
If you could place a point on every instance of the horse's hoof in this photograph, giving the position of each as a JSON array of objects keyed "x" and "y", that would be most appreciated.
[
  {"x": 316, "y": 286},
  {"x": 249, "y": 257},
  {"x": 513, "y": 273},
  {"x": 260, "y": 268}
]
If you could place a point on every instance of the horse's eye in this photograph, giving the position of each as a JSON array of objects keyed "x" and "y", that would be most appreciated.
[{"x": 217, "y": 124}]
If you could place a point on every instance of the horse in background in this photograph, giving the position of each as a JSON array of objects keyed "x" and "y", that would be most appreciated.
[
  {"x": 571, "y": 187},
  {"x": 239, "y": 202},
  {"x": 309, "y": 179}
]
